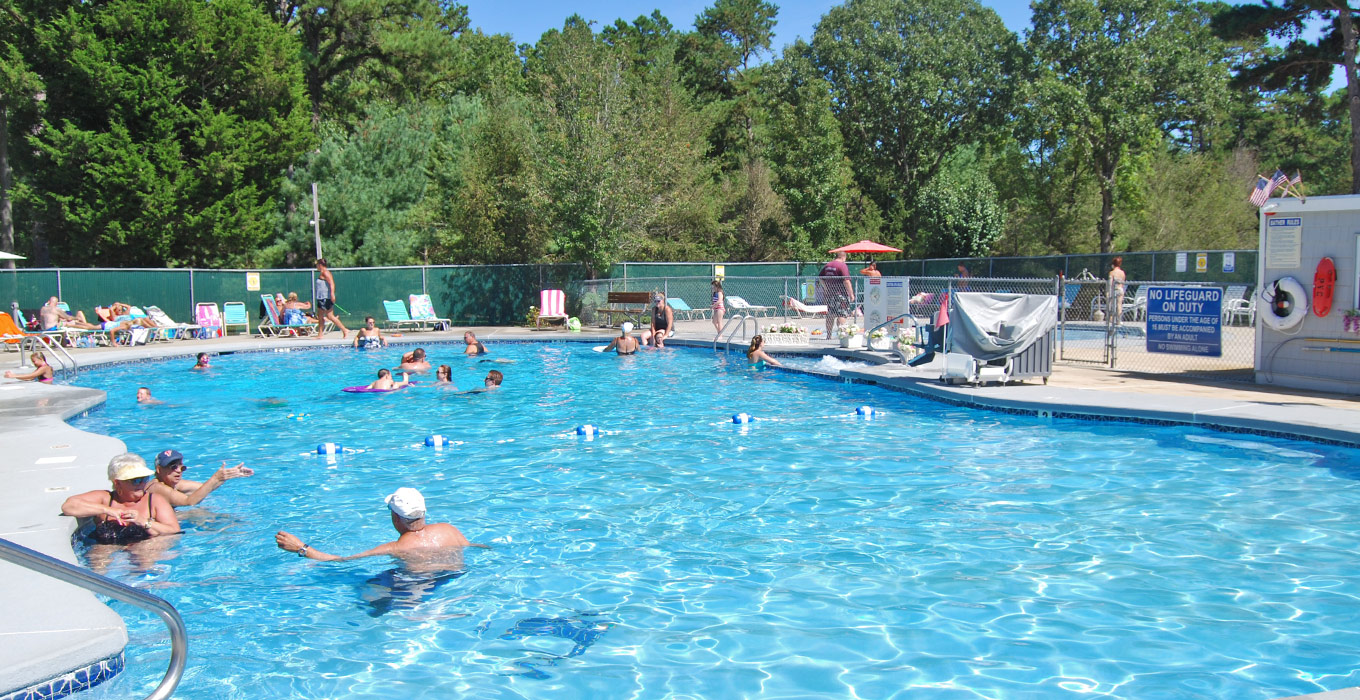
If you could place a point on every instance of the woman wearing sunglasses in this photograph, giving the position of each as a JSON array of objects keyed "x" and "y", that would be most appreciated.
[{"x": 128, "y": 513}]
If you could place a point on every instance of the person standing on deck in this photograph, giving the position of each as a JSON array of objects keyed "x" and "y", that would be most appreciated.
[
  {"x": 1116, "y": 291},
  {"x": 325, "y": 300},
  {"x": 834, "y": 290}
]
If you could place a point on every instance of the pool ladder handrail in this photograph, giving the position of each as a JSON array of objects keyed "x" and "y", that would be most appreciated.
[
  {"x": 901, "y": 356},
  {"x": 90, "y": 581},
  {"x": 64, "y": 361},
  {"x": 743, "y": 318}
]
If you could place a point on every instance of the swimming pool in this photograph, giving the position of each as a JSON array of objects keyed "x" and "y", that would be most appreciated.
[{"x": 931, "y": 552}]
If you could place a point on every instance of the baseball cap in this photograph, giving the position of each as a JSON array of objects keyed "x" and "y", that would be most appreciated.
[
  {"x": 168, "y": 458},
  {"x": 627, "y": 327},
  {"x": 407, "y": 503}
]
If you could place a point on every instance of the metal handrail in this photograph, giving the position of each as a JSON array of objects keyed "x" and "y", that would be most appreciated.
[
  {"x": 914, "y": 322},
  {"x": 90, "y": 581},
  {"x": 739, "y": 317},
  {"x": 45, "y": 343}
]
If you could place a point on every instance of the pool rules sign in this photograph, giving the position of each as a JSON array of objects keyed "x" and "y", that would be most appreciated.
[{"x": 1185, "y": 320}]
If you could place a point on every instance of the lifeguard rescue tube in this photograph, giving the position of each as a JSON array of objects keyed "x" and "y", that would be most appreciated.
[{"x": 1288, "y": 304}]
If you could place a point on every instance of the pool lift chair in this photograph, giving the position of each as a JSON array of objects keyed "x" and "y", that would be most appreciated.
[{"x": 999, "y": 338}]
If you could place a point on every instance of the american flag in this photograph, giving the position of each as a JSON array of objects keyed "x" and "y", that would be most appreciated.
[{"x": 1264, "y": 188}]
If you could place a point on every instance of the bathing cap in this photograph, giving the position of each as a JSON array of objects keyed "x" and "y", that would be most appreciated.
[
  {"x": 627, "y": 327},
  {"x": 407, "y": 503}
]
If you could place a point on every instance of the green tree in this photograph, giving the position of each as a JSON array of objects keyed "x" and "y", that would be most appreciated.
[
  {"x": 1303, "y": 64},
  {"x": 1119, "y": 76},
  {"x": 912, "y": 81},
  {"x": 616, "y": 154},
  {"x": 959, "y": 213},
  {"x": 20, "y": 89},
  {"x": 167, "y": 125},
  {"x": 806, "y": 153},
  {"x": 404, "y": 46}
]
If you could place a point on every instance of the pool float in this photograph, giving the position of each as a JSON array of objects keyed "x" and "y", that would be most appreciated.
[
  {"x": 1288, "y": 304},
  {"x": 1324, "y": 282},
  {"x": 365, "y": 390}
]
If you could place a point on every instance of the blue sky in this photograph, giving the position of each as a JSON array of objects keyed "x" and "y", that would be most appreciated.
[{"x": 526, "y": 20}]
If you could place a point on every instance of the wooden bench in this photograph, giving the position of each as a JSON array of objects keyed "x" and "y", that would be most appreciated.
[{"x": 630, "y": 305}]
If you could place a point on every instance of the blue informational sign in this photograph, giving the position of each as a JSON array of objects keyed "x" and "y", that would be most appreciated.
[{"x": 1185, "y": 320}]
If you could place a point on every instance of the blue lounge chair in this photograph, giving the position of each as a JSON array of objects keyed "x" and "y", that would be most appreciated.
[{"x": 398, "y": 318}]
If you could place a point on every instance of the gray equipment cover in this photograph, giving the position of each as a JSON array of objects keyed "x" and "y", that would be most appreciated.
[{"x": 991, "y": 326}]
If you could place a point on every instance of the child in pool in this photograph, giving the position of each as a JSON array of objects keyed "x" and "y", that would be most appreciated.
[
  {"x": 202, "y": 362},
  {"x": 756, "y": 355},
  {"x": 42, "y": 372},
  {"x": 384, "y": 381}
]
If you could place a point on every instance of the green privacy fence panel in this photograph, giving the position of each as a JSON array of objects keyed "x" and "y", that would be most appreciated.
[
  {"x": 85, "y": 289},
  {"x": 490, "y": 294}
]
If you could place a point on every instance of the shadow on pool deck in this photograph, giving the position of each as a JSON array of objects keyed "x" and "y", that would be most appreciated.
[{"x": 47, "y": 460}]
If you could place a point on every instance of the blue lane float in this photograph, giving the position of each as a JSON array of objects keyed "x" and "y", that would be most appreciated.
[
  {"x": 866, "y": 411},
  {"x": 740, "y": 418},
  {"x": 436, "y": 441},
  {"x": 330, "y": 448},
  {"x": 587, "y": 430}
]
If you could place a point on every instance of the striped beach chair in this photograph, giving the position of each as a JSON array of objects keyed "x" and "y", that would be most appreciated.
[{"x": 552, "y": 307}]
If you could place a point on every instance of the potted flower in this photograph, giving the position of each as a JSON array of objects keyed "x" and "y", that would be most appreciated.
[
  {"x": 878, "y": 339},
  {"x": 1351, "y": 323},
  {"x": 786, "y": 334},
  {"x": 851, "y": 336}
]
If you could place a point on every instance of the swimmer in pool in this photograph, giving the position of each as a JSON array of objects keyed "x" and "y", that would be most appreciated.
[
  {"x": 181, "y": 492},
  {"x": 417, "y": 540},
  {"x": 42, "y": 372},
  {"x": 384, "y": 381},
  {"x": 474, "y": 346},
  {"x": 625, "y": 344},
  {"x": 443, "y": 377},
  {"x": 414, "y": 361},
  {"x": 369, "y": 337},
  {"x": 756, "y": 355},
  {"x": 144, "y": 396},
  {"x": 202, "y": 362},
  {"x": 493, "y": 380}
]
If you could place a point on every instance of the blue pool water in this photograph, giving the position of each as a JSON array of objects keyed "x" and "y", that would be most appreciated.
[{"x": 934, "y": 552}]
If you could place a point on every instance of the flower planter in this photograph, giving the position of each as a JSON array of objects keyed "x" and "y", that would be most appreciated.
[
  {"x": 786, "y": 338},
  {"x": 880, "y": 344},
  {"x": 853, "y": 342}
]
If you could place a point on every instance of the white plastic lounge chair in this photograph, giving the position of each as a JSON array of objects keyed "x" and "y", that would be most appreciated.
[
  {"x": 422, "y": 310},
  {"x": 739, "y": 304},
  {"x": 171, "y": 329},
  {"x": 802, "y": 310},
  {"x": 552, "y": 306}
]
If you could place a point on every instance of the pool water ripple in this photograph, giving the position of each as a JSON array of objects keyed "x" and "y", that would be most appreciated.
[{"x": 931, "y": 552}]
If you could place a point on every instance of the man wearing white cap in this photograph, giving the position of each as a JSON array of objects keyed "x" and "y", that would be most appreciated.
[
  {"x": 408, "y": 517},
  {"x": 625, "y": 344}
]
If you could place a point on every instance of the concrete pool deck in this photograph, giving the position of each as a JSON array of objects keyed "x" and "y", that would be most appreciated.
[{"x": 47, "y": 460}]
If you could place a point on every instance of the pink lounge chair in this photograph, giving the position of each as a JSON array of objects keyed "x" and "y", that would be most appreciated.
[
  {"x": 552, "y": 307},
  {"x": 209, "y": 318}
]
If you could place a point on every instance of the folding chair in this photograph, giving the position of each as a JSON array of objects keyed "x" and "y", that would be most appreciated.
[
  {"x": 552, "y": 306},
  {"x": 397, "y": 318},
  {"x": 209, "y": 319},
  {"x": 234, "y": 314}
]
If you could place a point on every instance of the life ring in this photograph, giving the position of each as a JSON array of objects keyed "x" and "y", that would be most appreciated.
[{"x": 1288, "y": 304}]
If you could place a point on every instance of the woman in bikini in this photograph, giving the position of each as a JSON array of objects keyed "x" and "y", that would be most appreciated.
[
  {"x": 719, "y": 305},
  {"x": 130, "y": 512},
  {"x": 42, "y": 372}
]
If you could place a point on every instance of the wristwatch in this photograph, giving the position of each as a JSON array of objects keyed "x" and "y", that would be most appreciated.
[{"x": 303, "y": 551}]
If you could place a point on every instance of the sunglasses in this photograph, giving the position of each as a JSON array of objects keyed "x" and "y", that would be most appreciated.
[
  {"x": 176, "y": 467},
  {"x": 140, "y": 483}
]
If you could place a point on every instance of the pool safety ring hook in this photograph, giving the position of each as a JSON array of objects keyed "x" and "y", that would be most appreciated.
[{"x": 1288, "y": 304}]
